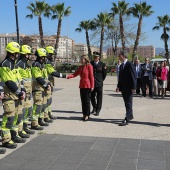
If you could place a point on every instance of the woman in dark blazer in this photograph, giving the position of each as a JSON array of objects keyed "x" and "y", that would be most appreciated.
[{"x": 85, "y": 71}]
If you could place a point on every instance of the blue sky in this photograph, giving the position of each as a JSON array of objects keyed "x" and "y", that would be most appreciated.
[{"x": 81, "y": 10}]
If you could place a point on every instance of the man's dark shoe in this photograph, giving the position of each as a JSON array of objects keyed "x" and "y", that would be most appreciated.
[
  {"x": 97, "y": 113},
  {"x": 124, "y": 122},
  {"x": 10, "y": 145},
  {"x": 93, "y": 111},
  {"x": 2, "y": 150},
  {"x": 131, "y": 117}
]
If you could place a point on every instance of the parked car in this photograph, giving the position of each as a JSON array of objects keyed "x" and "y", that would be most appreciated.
[{"x": 159, "y": 60}]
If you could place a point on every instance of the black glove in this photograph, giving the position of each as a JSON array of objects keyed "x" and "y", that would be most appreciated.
[
  {"x": 23, "y": 89},
  {"x": 48, "y": 84},
  {"x": 20, "y": 95},
  {"x": 63, "y": 75}
]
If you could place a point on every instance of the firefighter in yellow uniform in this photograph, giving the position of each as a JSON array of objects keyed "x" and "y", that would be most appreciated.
[
  {"x": 51, "y": 74},
  {"x": 14, "y": 93},
  {"x": 41, "y": 86},
  {"x": 25, "y": 72}
]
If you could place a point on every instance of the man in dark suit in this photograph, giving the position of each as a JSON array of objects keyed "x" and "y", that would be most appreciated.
[
  {"x": 138, "y": 74},
  {"x": 146, "y": 77},
  {"x": 127, "y": 85},
  {"x": 100, "y": 72}
]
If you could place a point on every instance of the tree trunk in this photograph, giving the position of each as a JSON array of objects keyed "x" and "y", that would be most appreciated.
[
  {"x": 113, "y": 50},
  {"x": 88, "y": 45},
  {"x": 101, "y": 42},
  {"x": 41, "y": 31},
  {"x": 166, "y": 46},
  {"x": 122, "y": 32},
  {"x": 137, "y": 37},
  {"x": 58, "y": 35}
]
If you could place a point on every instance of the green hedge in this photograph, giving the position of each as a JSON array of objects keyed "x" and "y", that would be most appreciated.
[
  {"x": 72, "y": 68},
  {"x": 66, "y": 68},
  {"x": 109, "y": 67}
]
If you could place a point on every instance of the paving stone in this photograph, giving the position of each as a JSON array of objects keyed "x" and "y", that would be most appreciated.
[
  {"x": 151, "y": 165},
  {"x": 38, "y": 165},
  {"x": 125, "y": 154},
  {"x": 124, "y": 147},
  {"x": 151, "y": 156},
  {"x": 151, "y": 148},
  {"x": 63, "y": 166},
  {"x": 123, "y": 163},
  {"x": 66, "y": 158},
  {"x": 91, "y": 167}
]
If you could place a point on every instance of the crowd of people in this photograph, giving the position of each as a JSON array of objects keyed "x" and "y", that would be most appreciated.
[
  {"x": 22, "y": 83},
  {"x": 152, "y": 79}
]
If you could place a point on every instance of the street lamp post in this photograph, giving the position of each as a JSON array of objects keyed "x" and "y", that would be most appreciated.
[{"x": 17, "y": 24}]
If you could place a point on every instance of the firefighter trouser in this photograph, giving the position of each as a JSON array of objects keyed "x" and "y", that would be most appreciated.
[
  {"x": 27, "y": 110},
  {"x": 12, "y": 118},
  {"x": 48, "y": 103}
]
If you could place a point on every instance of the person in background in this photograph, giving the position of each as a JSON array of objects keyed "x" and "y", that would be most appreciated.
[
  {"x": 118, "y": 69},
  {"x": 100, "y": 72},
  {"x": 85, "y": 71},
  {"x": 161, "y": 75},
  {"x": 146, "y": 77},
  {"x": 167, "y": 66},
  {"x": 126, "y": 85},
  {"x": 138, "y": 74},
  {"x": 155, "y": 82}
]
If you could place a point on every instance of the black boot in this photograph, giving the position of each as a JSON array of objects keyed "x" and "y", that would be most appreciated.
[
  {"x": 37, "y": 127},
  {"x": 41, "y": 122},
  {"x": 28, "y": 130},
  {"x": 23, "y": 134},
  {"x": 10, "y": 145},
  {"x": 51, "y": 116},
  {"x": 47, "y": 120},
  {"x": 16, "y": 138},
  {"x": 2, "y": 150}
]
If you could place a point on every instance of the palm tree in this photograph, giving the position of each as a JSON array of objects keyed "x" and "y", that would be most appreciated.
[
  {"x": 164, "y": 22},
  {"x": 38, "y": 9},
  {"x": 86, "y": 25},
  {"x": 59, "y": 12},
  {"x": 139, "y": 11},
  {"x": 103, "y": 20},
  {"x": 121, "y": 9}
]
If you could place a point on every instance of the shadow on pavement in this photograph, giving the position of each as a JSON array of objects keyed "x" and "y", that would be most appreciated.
[
  {"x": 114, "y": 121},
  {"x": 115, "y": 95},
  {"x": 65, "y": 111}
]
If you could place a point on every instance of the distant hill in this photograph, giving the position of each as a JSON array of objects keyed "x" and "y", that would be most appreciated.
[{"x": 159, "y": 50}]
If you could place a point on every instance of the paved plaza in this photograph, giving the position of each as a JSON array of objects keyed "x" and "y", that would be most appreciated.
[{"x": 99, "y": 144}]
